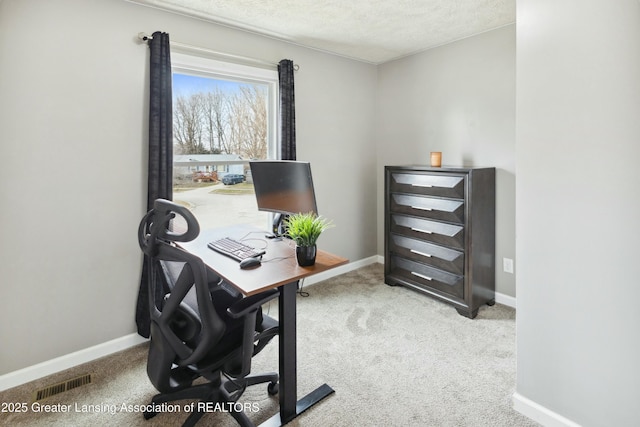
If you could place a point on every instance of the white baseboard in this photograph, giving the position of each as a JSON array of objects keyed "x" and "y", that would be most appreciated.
[
  {"x": 539, "y": 413},
  {"x": 507, "y": 300},
  {"x": 30, "y": 373}
]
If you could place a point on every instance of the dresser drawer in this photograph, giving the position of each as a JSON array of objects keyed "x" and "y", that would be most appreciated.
[
  {"x": 429, "y": 207},
  {"x": 427, "y": 184},
  {"x": 429, "y": 277},
  {"x": 427, "y": 253},
  {"x": 433, "y": 231}
]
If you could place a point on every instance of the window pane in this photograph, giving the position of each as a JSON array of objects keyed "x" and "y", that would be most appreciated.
[{"x": 219, "y": 124}]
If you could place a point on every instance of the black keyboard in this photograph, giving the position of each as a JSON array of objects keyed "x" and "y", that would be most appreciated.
[{"x": 235, "y": 249}]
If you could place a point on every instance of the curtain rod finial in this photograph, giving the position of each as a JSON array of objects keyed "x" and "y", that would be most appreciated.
[{"x": 144, "y": 37}]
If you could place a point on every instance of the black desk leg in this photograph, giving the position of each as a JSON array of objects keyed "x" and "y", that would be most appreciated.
[
  {"x": 288, "y": 351},
  {"x": 290, "y": 407}
]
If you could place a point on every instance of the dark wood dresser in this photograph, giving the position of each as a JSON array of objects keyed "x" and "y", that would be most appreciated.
[{"x": 440, "y": 233}]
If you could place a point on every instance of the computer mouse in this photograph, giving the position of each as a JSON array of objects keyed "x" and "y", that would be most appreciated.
[{"x": 250, "y": 262}]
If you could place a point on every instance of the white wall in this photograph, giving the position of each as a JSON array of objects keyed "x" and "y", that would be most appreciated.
[
  {"x": 578, "y": 210},
  {"x": 459, "y": 99},
  {"x": 73, "y": 105}
]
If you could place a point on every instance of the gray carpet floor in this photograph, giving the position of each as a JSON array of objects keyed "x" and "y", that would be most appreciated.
[{"x": 393, "y": 356}]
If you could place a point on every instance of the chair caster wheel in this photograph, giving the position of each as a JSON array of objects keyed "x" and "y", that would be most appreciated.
[
  {"x": 149, "y": 414},
  {"x": 273, "y": 388}
]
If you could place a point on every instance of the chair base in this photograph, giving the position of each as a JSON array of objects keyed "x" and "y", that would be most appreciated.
[{"x": 225, "y": 392}]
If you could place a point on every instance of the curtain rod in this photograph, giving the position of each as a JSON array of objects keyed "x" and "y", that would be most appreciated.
[{"x": 145, "y": 37}]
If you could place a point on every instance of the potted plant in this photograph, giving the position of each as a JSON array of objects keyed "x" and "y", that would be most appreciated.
[{"x": 304, "y": 229}]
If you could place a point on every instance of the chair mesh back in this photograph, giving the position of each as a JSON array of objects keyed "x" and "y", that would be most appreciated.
[{"x": 184, "y": 323}]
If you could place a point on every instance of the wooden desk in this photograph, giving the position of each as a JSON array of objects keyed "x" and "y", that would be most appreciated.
[{"x": 279, "y": 269}]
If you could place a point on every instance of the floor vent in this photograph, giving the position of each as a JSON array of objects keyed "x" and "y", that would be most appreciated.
[{"x": 62, "y": 387}]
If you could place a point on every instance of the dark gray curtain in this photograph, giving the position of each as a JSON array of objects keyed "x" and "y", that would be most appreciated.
[
  {"x": 287, "y": 110},
  {"x": 160, "y": 173}
]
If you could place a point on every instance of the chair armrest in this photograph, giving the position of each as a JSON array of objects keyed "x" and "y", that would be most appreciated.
[{"x": 248, "y": 304}]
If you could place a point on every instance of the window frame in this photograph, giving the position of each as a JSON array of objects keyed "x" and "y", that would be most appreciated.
[{"x": 188, "y": 63}]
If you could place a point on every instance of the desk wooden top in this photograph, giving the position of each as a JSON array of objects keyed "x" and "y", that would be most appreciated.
[{"x": 279, "y": 265}]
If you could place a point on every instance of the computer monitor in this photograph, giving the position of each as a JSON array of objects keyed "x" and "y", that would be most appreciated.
[{"x": 284, "y": 187}]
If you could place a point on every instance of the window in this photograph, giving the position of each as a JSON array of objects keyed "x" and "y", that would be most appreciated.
[{"x": 223, "y": 116}]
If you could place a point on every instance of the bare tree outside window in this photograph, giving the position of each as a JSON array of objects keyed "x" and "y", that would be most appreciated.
[
  {"x": 222, "y": 122},
  {"x": 215, "y": 111},
  {"x": 249, "y": 122},
  {"x": 188, "y": 129}
]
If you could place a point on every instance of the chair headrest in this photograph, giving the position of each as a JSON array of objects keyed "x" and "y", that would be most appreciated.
[
  {"x": 165, "y": 211},
  {"x": 156, "y": 224}
]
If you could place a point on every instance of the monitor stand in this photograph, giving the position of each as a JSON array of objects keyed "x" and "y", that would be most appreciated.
[{"x": 278, "y": 225}]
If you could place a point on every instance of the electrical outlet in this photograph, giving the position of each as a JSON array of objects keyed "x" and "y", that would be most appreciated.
[{"x": 507, "y": 265}]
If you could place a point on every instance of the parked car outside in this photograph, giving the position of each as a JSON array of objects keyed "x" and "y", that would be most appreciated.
[{"x": 231, "y": 179}]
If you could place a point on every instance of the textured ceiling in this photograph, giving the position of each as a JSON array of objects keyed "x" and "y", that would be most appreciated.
[{"x": 374, "y": 31}]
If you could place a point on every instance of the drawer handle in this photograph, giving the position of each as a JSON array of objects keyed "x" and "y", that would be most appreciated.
[
  {"x": 421, "y": 208},
  {"x": 422, "y": 276},
  {"x": 422, "y": 185},
  {"x": 420, "y": 230},
  {"x": 420, "y": 253}
]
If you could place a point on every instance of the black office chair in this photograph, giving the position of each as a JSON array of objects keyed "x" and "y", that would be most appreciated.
[{"x": 199, "y": 327}]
